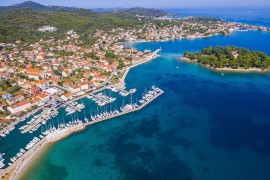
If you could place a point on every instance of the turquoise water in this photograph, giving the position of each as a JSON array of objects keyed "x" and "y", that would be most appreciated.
[{"x": 204, "y": 127}]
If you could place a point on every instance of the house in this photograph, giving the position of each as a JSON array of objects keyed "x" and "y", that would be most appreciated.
[
  {"x": 47, "y": 74},
  {"x": 66, "y": 96},
  {"x": 4, "y": 76},
  {"x": 15, "y": 99},
  {"x": 2, "y": 107},
  {"x": 235, "y": 54},
  {"x": 43, "y": 84},
  {"x": 74, "y": 89},
  {"x": 66, "y": 72},
  {"x": 54, "y": 81},
  {"x": 84, "y": 86},
  {"x": 37, "y": 101},
  {"x": 26, "y": 85},
  {"x": 67, "y": 84},
  {"x": 127, "y": 62},
  {"x": 6, "y": 95},
  {"x": 44, "y": 97},
  {"x": 103, "y": 78},
  {"x": 96, "y": 83},
  {"x": 34, "y": 73},
  {"x": 3, "y": 68},
  {"x": 20, "y": 106},
  {"x": 35, "y": 90}
]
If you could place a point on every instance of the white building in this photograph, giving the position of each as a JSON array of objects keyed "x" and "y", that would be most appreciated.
[
  {"x": 20, "y": 106},
  {"x": 47, "y": 28}
]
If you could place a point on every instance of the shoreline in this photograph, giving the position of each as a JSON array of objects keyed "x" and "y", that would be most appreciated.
[
  {"x": 18, "y": 168},
  {"x": 193, "y": 38},
  {"x": 239, "y": 70},
  {"x": 22, "y": 172}
]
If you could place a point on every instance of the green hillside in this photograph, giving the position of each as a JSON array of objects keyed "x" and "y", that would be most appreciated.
[{"x": 23, "y": 23}]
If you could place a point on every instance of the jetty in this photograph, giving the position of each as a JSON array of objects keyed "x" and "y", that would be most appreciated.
[{"x": 126, "y": 112}]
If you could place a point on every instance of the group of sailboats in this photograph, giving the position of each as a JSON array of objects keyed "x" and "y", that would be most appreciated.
[
  {"x": 148, "y": 95},
  {"x": 7, "y": 131}
]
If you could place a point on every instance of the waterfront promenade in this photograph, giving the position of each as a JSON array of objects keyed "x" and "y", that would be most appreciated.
[{"x": 121, "y": 84}]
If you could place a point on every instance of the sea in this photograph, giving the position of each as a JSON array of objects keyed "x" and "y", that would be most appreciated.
[{"x": 206, "y": 126}]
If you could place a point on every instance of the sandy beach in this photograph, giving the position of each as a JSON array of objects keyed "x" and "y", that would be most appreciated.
[{"x": 30, "y": 161}]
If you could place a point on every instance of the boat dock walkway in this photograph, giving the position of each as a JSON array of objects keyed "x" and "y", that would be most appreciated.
[
  {"x": 42, "y": 117},
  {"x": 126, "y": 112},
  {"x": 73, "y": 107}
]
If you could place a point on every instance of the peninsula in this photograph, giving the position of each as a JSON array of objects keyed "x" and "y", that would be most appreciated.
[{"x": 230, "y": 58}]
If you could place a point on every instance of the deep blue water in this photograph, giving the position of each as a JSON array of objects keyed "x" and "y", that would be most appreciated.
[
  {"x": 250, "y": 15},
  {"x": 204, "y": 127}
]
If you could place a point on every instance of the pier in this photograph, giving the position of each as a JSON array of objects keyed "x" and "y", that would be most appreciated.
[
  {"x": 126, "y": 112},
  {"x": 73, "y": 107}
]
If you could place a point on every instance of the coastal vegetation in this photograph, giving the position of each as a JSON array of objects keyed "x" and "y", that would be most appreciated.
[{"x": 230, "y": 57}]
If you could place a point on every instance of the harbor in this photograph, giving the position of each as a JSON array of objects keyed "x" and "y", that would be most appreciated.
[
  {"x": 37, "y": 120},
  {"x": 64, "y": 129}
]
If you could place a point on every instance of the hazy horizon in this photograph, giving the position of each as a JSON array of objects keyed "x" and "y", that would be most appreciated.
[{"x": 169, "y": 4}]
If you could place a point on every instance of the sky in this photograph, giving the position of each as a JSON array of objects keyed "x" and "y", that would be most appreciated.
[{"x": 145, "y": 3}]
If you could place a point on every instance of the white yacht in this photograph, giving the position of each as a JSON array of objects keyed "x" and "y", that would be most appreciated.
[{"x": 2, "y": 161}]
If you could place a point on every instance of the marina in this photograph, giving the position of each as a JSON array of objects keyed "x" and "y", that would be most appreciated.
[{"x": 63, "y": 129}]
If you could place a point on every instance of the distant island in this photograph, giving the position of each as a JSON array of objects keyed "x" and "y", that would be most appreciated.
[{"x": 230, "y": 58}]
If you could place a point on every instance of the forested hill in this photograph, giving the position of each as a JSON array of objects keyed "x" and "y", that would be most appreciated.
[
  {"x": 230, "y": 57},
  {"x": 23, "y": 23},
  {"x": 34, "y": 6}
]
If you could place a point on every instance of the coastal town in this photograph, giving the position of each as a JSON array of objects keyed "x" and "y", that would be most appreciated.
[
  {"x": 53, "y": 73},
  {"x": 34, "y": 73}
]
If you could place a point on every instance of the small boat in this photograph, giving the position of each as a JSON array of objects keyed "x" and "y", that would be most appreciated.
[
  {"x": 2, "y": 161},
  {"x": 222, "y": 74}
]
